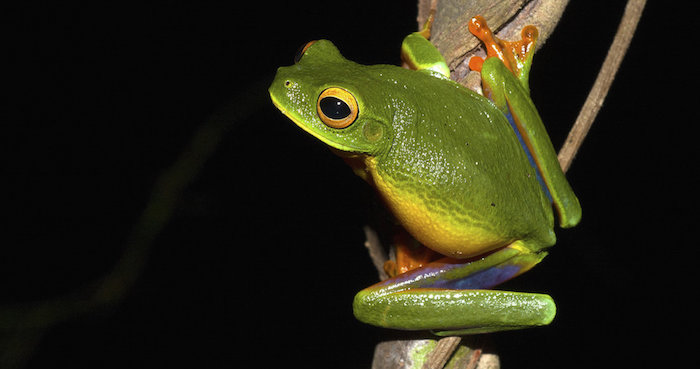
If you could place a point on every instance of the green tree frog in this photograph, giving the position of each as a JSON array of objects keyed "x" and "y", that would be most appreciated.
[{"x": 475, "y": 179}]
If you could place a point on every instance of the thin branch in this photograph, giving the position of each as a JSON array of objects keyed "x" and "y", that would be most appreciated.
[
  {"x": 376, "y": 252},
  {"x": 591, "y": 107},
  {"x": 442, "y": 352}
]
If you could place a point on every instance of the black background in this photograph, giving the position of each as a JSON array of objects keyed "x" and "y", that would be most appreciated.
[{"x": 264, "y": 253}]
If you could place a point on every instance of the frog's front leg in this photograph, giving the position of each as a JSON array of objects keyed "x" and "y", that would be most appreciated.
[
  {"x": 449, "y": 297},
  {"x": 418, "y": 53}
]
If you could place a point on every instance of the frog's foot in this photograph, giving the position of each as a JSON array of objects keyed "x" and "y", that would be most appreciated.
[
  {"x": 516, "y": 55},
  {"x": 449, "y": 296},
  {"x": 409, "y": 254}
]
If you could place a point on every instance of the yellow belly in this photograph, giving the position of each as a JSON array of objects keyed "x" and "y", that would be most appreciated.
[{"x": 450, "y": 234}]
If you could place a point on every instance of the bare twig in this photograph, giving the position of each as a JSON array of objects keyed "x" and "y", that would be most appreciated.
[
  {"x": 441, "y": 353},
  {"x": 618, "y": 48},
  {"x": 376, "y": 252}
]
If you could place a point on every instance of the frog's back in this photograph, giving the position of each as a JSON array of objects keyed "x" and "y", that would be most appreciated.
[{"x": 456, "y": 175}]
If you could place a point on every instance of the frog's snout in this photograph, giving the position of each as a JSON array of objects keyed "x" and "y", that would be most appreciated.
[
  {"x": 280, "y": 83},
  {"x": 276, "y": 87}
]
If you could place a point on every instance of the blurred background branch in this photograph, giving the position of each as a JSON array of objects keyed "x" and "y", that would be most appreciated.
[{"x": 23, "y": 325}]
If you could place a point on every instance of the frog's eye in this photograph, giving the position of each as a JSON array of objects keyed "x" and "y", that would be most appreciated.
[
  {"x": 302, "y": 50},
  {"x": 336, "y": 107}
]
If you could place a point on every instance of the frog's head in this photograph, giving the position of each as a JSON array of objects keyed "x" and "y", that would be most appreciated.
[{"x": 333, "y": 99}]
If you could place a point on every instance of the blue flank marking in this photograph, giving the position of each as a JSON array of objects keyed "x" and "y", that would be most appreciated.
[
  {"x": 483, "y": 279},
  {"x": 529, "y": 155}
]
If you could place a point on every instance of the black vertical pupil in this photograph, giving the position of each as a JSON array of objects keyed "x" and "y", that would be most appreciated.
[{"x": 334, "y": 107}]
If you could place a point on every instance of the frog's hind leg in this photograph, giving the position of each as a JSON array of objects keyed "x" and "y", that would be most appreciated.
[
  {"x": 505, "y": 81},
  {"x": 450, "y": 296}
]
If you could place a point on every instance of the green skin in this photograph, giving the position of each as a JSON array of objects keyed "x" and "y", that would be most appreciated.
[{"x": 449, "y": 165}]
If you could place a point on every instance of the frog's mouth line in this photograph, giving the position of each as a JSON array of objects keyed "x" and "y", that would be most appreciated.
[{"x": 305, "y": 127}]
